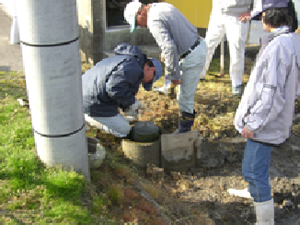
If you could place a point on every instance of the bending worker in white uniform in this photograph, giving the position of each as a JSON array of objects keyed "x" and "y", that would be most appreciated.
[
  {"x": 226, "y": 18},
  {"x": 184, "y": 51}
]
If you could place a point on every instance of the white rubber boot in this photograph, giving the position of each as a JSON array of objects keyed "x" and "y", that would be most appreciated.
[
  {"x": 264, "y": 212},
  {"x": 244, "y": 193}
]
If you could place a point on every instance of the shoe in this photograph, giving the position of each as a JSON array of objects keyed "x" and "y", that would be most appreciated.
[
  {"x": 244, "y": 193},
  {"x": 202, "y": 78},
  {"x": 237, "y": 91},
  {"x": 264, "y": 212},
  {"x": 162, "y": 90},
  {"x": 185, "y": 123}
]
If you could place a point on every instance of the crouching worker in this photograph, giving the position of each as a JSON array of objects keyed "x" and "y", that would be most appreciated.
[{"x": 112, "y": 84}]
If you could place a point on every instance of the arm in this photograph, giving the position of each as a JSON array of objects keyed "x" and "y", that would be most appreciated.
[
  {"x": 271, "y": 93},
  {"x": 246, "y": 16},
  {"x": 168, "y": 47}
]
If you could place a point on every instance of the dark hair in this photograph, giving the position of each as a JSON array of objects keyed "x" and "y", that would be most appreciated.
[
  {"x": 276, "y": 17},
  {"x": 293, "y": 17},
  {"x": 149, "y": 63}
]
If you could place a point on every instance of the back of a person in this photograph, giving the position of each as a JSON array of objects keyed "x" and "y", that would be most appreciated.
[
  {"x": 95, "y": 97},
  {"x": 97, "y": 83},
  {"x": 124, "y": 70},
  {"x": 180, "y": 29}
]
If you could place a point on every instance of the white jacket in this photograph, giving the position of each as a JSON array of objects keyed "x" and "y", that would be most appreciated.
[
  {"x": 268, "y": 103},
  {"x": 231, "y": 7}
]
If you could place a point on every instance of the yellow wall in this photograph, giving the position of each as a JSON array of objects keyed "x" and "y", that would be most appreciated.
[{"x": 196, "y": 11}]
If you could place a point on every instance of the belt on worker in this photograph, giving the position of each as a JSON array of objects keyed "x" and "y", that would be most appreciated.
[{"x": 190, "y": 49}]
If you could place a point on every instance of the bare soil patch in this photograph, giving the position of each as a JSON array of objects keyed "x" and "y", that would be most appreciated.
[{"x": 199, "y": 195}]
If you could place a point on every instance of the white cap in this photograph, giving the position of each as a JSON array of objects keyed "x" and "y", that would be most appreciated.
[{"x": 130, "y": 14}]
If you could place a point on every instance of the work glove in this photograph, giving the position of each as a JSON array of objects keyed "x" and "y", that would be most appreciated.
[{"x": 133, "y": 110}]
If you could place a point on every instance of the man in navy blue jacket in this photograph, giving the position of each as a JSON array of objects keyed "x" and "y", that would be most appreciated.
[{"x": 113, "y": 83}]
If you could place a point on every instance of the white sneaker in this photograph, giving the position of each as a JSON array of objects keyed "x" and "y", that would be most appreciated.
[
  {"x": 244, "y": 193},
  {"x": 164, "y": 90}
]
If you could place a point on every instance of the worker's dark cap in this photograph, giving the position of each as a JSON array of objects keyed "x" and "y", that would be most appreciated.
[{"x": 267, "y": 4}]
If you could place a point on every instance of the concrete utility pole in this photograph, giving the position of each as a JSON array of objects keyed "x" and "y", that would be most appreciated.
[{"x": 50, "y": 50}]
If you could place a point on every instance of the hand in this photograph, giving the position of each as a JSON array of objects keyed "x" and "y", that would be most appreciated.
[
  {"x": 246, "y": 133},
  {"x": 133, "y": 110},
  {"x": 162, "y": 58},
  {"x": 244, "y": 17},
  {"x": 130, "y": 119},
  {"x": 176, "y": 82}
]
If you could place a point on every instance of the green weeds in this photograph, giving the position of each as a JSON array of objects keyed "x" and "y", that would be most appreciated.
[{"x": 31, "y": 192}]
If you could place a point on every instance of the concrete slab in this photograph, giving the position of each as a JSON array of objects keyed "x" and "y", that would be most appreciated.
[
  {"x": 178, "y": 151},
  {"x": 211, "y": 153}
]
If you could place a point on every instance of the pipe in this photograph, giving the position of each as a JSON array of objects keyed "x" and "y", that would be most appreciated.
[
  {"x": 222, "y": 58},
  {"x": 50, "y": 49},
  {"x": 14, "y": 31}
]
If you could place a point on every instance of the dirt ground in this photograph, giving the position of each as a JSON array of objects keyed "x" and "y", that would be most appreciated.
[{"x": 199, "y": 195}]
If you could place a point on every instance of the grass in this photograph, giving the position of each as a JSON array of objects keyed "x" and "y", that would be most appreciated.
[{"x": 31, "y": 192}]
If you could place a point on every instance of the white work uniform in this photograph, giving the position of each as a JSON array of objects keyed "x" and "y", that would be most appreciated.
[
  {"x": 175, "y": 35},
  {"x": 224, "y": 20},
  {"x": 115, "y": 125}
]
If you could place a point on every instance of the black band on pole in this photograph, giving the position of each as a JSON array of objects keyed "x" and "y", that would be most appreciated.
[
  {"x": 50, "y": 45},
  {"x": 60, "y": 135}
]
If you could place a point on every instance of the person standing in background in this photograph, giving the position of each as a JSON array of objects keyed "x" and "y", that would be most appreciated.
[{"x": 227, "y": 18}]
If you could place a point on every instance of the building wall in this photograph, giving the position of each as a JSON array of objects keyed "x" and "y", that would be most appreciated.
[
  {"x": 97, "y": 40},
  {"x": 196, "y": 11},
  {"x": 91, "y": 21}
]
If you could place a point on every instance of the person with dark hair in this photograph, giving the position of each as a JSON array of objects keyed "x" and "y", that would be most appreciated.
[
  {"x": 112, "y": 84},
  {"x": 286, "y": 16},
  {"x": 182, "y": 49},
  {"x": 265, "y": 113}
]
